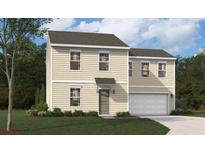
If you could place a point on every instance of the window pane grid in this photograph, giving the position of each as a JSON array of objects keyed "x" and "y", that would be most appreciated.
[
  {"x": 75, "y": 97},
  {"x": 162, "y": 67},
  {"x": 145, "y": 73},
  {"x": 162, "y": 70},
  {"x": 103, "y": 61},
  {"x": 104, "y": 66},
  {"x": 75, "y": 56},
  {"x": 75, "y": 60},
  {"x": 145, "y": 69},
  {"x": 104, "y": 57}
]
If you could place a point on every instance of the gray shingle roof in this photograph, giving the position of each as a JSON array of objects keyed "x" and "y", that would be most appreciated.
[
  {"x": 149, "y": 53},
  {"x": 82, "y": 38},
  {"x": 105, "y": 80}
]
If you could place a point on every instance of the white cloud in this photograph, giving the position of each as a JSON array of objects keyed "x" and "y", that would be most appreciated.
[
  {"x": 60, "y": 24},
  {"x": 173, "y": 35},
  {"x": 88, "y": 27}
]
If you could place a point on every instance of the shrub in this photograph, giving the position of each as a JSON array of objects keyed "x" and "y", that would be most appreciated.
[
  {"x": 49, "y": 114},
  {"x": 92, "y": 114},
  {"x": 196, "y": 102},
  {"x": 28, "y": 112},
  {"x": 40, "y": 107},
  {"x": 57, "y": 112},
  {"x": 68, "y": 113},
  {"x": 122, "y": 114},
  {"x": 33, "y": 112},
  {"x": 180, "y": 111},
  {"x": 78, "y": 113},
  {"x": 177, "y": 112},
  {"x": 187, "y": 111},
  {"x": 42, "y": 113}
]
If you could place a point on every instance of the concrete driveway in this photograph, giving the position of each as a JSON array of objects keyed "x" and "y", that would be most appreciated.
[{"x": 182, "y": 125}]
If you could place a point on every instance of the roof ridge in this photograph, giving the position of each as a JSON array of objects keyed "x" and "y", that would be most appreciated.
[
  {"x": 65, "y": 31},
  {"x": 149, "y": 49}
]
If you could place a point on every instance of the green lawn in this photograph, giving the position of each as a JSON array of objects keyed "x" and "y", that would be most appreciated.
[{"x": 82, "y": 125}]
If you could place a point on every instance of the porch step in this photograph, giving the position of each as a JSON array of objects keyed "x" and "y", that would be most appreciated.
[{"x": 107, "y": 116}]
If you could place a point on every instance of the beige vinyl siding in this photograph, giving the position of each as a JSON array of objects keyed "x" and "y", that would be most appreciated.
[
  {"x": 153, "y": 83},
  {"x": 119, "y": 100},
  {"x": 89, "y": 65},
  {"x": 153, "y": 79},
  {"x": 89, "y": 97},
  {"x": 88, "y": 94},
  {"x": 89, "y": 70}
]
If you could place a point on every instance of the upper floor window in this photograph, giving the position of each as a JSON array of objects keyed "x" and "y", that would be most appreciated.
[
  {"x": 75, "y": 60},
  {"x": 162, "y": 69},
  {"x": 74, "y": 96},
  {"x": 104, "y": 61},
  {"x": 145, "y": 69},
  {"x": 130, "y": 68}
]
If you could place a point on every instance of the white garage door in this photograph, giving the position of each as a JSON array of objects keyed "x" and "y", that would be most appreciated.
[{"x": 148, "y": 104}]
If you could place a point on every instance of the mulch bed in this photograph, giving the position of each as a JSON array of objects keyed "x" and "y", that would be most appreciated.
[{"x": 12, "y": 132}]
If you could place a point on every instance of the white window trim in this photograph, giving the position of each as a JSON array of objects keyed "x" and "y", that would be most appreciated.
[
  {"x": 77, "y": 87},
  {"x": 130, "y": 61},
  {"x": 103, "y": 51},
  {"x": 75, "y": 50},
  {"x": 162, "y": 62},
  {"x": 144, "y": 61}
]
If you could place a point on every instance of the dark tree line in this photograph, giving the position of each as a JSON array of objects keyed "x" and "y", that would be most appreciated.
[
  {"x": 30, "y": 76},
  {"x": 190, "y": 82}
]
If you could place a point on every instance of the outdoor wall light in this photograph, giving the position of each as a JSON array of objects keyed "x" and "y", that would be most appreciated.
[
  {"x": 172, "y": 95},
  {"x": 113, "y": 91}
]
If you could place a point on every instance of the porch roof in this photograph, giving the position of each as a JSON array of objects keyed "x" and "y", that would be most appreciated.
[{"x": 105, "y": 81}]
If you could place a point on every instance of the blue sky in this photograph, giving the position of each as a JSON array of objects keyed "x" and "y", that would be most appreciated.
[{"x": 182, "y": 37}]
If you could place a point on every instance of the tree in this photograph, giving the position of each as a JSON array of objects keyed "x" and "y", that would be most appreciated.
[
  {"x": 42, "y": 96},
  {"x": 37, "y": 96},
  {"x": 190, "y": 75},
  {"x": 27, "y": 80},
  {"x": 14, "y": 35}
]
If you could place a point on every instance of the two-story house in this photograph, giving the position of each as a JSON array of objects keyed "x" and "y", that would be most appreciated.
[{"x": 99, "y": 72}]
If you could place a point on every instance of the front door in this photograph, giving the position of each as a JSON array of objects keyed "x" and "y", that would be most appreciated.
[{"x": 104, "y": 101}]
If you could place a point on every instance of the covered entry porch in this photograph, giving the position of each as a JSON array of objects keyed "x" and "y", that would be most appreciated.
[{"x": 104, "y": 88}]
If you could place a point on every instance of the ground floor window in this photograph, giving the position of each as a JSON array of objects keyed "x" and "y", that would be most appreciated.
[{"x": 74, "y": 96}]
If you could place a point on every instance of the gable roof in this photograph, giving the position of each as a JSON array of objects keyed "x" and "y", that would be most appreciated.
[
  {"x": 149, "y": 53},
  {"x": 82, "y": 38}
]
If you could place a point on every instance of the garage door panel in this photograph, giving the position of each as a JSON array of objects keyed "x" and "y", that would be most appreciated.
[{"x": 148, "y": 104}]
